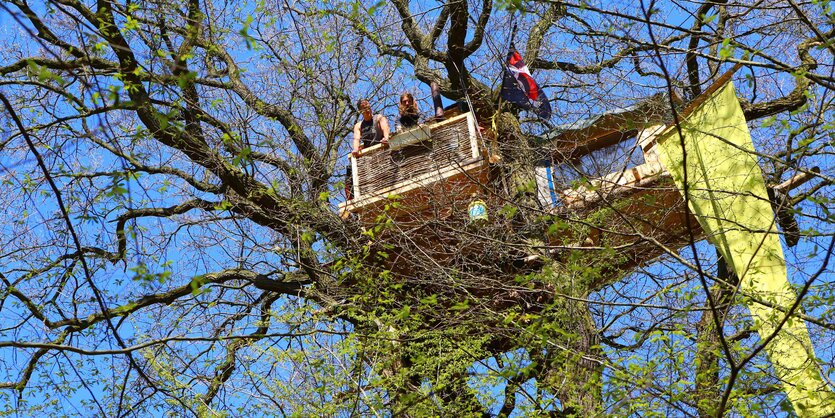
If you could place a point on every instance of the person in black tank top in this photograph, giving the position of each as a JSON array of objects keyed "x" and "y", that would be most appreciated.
[
  {"x": 370, "y": 130},
  {"x": 368, "y": 133}
]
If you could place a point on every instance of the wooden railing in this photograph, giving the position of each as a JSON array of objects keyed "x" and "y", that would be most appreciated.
[{"x": 414, "y": 158}]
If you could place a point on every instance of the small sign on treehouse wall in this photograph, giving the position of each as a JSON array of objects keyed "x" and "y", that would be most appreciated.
[{"x": 477, "y": 211}]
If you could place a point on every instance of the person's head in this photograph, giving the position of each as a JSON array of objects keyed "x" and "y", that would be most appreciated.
[
  {"x": 364, "y": 107},
  {"x": 407, "y": 104}
]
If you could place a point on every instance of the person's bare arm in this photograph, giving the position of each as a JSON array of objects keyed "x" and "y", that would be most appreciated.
[
  {"x": 356, "y": 145},
  {"x": 384, "y": 125}
]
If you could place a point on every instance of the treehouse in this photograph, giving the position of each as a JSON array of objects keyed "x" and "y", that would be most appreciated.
[
  {"x": 608, "y": 196},
  {"x": 603, "y": 174},
  {"x": 428, "y": 171}
]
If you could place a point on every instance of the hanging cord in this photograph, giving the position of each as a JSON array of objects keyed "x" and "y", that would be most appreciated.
[
  {"x": 468, "y": 100},
  {"x": 502, "y": 59},
  {"x": 479, "y": 135}
]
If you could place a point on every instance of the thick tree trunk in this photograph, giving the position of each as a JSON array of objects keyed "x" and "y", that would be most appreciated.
[
  {"x": 518, "y": 160},
  {"x": 575, "y": 366},
  {"x": 573, "y": 356}
]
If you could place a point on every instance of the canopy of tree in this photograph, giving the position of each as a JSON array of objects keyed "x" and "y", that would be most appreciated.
[{"x": 171, "y": 244}]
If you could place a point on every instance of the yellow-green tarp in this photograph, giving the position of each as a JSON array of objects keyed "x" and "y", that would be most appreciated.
[{"x": 726, "y": 191}]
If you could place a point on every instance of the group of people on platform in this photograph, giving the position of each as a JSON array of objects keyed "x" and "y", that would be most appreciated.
[{"x": 374, "y": 128}]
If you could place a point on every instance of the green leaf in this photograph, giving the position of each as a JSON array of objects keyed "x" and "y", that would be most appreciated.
[
  {"x": 373, "y": 8},
  {"x": 460, "y": 306},
  {"x": 430, "y": 300},
  {"x": 223, "y": 205},
  {"x": 727, "y": 50}
]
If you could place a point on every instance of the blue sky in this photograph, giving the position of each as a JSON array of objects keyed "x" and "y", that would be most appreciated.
[{"x": 197, "y": 249}]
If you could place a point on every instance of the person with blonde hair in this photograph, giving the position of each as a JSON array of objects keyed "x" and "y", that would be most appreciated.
[{"x": 409, "y": 113}]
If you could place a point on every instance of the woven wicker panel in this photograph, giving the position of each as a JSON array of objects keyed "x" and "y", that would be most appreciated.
[{"x": 382, "y": 170}]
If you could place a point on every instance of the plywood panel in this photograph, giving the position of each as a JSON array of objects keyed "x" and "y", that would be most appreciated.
[{"x": 450, "y": 145}]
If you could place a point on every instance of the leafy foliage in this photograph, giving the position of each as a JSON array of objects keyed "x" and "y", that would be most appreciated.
[{"x": 171, "y": 244}]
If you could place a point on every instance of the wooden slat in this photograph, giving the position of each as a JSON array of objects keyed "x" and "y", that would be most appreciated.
[
  {"x": 380, "y": 168},
  {"x": 472, "y": 171},
  {"x": 355, "y": 182}
]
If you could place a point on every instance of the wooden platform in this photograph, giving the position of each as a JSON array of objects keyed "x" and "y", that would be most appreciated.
[
  {"x": 427, "y": 179},
  {"x": 638, "y": 212},
  {"x": 432, "y": 167}
]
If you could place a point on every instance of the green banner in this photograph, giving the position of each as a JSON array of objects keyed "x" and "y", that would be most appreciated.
[{"x": 726, "y": 191}]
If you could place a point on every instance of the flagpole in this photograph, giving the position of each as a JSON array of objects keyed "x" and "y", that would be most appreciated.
[{"x": 512, "y": 30}]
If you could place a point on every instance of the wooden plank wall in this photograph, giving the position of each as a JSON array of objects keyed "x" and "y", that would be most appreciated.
[{"x": 450, "y": 146}]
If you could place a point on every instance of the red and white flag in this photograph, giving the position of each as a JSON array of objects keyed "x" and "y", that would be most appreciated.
[{"x": 519, "y": 88}]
